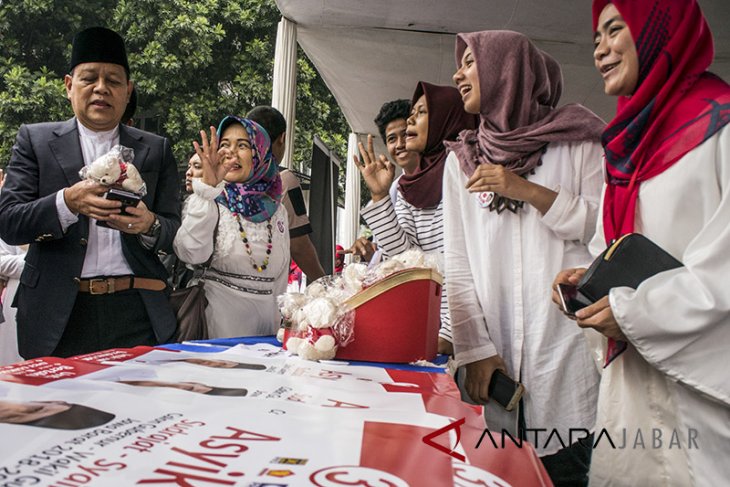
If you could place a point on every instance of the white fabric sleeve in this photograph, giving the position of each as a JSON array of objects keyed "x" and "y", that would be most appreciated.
[
  {"x": 11, "y": 262},
  {"x": 193, "y": 243},
  {"x": 468, "y": 326},
  {"x": 65, "y": 216},
  {"x": 679, "y": 320},
  {"x": 573, "y": 213}
]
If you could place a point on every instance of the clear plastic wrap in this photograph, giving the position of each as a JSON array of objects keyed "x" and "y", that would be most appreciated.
[
  {"x": 344, "y": 327},
  {"x": 115, "y": 168}
]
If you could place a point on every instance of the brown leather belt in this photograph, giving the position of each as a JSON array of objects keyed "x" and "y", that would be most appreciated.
[{"x": 110, "y": 285}]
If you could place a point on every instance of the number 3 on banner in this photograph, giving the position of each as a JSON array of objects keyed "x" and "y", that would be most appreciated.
[
  {"x": 468, "y": 475},
  {"x": 355, "y": 476}
]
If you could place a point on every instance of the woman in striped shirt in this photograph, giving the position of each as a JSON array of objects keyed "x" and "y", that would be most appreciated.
[{"x": 415, "y": 221}]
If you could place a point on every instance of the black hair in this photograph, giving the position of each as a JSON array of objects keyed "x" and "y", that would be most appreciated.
[
  {"x": 270, "y": 119},
  {"x": 225, "y": 391},
  {"x": 76, "y": 417},
  {"x": 392, "y": 110}
]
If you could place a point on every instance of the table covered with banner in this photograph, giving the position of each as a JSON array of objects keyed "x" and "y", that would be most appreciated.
[{"x": 244, "y": 412}]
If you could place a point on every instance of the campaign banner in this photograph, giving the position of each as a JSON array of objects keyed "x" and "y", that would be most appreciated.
[
  {"x": 248, "y": 360},
  {"x": 212, "y": 374},
  {"x": 267, "y": 358},
  {"x": 147, "y": 416}
]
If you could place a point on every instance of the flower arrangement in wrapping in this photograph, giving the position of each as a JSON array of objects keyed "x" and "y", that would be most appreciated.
[
  {"x": 115, "y": 168},
  {"x": 319, "y": 320}
]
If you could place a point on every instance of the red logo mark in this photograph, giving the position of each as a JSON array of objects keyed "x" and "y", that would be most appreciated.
[{"x": 457, "y": 425}]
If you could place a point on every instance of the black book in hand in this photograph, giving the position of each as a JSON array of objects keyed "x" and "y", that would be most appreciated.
[{"x": 627, "y": 262}]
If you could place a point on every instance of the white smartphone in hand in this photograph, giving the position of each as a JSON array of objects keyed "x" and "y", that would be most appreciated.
[{"x": 570, "y": 299}]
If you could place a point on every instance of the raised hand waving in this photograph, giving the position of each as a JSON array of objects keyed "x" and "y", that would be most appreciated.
[
  {"x": 216, "y": 162},
  {"x": 378, "y": 172}
]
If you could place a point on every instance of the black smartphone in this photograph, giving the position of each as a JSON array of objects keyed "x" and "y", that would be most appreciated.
[
  {"x": 504, "y": 390},
  {"x": 570, "y": 299},
  {"x": 126, "y": 197}
]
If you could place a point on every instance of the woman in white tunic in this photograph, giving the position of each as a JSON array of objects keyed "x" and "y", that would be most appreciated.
[
  {"x": 665, "y": 391},
  {"x": 520, "y": 200},
  {"x": 241, "y": 193},
  {"x": 12, "y": 260}
]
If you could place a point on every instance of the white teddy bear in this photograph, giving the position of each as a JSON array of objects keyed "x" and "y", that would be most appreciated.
[
  {"x": 115, "y": 168},
  {"x": 312, "y": 337},
  {"x": 291, "y": 305},
  {"x": 318, "y": 341}
]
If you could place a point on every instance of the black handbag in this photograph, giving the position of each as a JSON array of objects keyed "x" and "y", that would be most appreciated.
[
  {"x": 189, "y": 304},
  {"x": 627, "y": 262}
]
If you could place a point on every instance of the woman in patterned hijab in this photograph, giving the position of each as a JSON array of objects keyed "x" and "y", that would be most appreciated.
[
  {"x": 235, "y": 226},
  {"x": 259, "y": 194}
]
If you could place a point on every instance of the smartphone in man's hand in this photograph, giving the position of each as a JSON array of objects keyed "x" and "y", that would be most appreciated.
[{"x": 126, "y": 197}]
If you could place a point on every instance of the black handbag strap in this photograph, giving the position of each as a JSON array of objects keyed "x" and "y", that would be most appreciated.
[
  {"x": 206, "y": 264},
  {"x": 200, "y": 269}
]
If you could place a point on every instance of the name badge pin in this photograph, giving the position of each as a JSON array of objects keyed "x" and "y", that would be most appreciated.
[{"x": 485, "y": 198}]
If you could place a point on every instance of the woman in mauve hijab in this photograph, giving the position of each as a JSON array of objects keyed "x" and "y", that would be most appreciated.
[
  {"x": 667, "y": 153},
  {"x": 520, "y": 203}
]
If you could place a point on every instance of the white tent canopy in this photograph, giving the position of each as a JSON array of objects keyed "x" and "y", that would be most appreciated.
[{"x": 369, "y": 52}]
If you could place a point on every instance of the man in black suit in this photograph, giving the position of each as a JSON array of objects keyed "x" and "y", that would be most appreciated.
[{"x": 87, "y": 287}]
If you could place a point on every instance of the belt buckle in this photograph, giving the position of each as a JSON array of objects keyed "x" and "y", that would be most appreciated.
[{"x": 108, "y": 288}]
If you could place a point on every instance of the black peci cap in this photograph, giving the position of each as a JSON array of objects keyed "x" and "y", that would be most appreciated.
[{"x": 98, "y": 45}]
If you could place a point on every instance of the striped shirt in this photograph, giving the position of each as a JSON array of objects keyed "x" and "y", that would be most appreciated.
[{"x": 406, "y": 227}]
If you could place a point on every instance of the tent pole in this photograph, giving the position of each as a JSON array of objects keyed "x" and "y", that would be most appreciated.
[
  {"x": 284, "y": 91},
  {"x": 351, "y": 223}
]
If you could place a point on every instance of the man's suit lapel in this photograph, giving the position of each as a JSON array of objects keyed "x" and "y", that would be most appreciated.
[
  {"x": 66, "y": 149},
  {"x": 128, "y": 139}
]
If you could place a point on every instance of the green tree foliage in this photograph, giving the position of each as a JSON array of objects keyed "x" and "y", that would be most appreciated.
[
  {"x": 35, "y": 39},
  {"x": 192, "y": 61}
]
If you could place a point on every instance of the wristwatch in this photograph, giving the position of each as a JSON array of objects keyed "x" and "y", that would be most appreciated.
[{"x": 154, "y": 229}]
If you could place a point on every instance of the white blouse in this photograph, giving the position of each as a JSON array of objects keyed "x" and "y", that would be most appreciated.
[
  {"x": 501, "y": 268},
  {"x": 241, "y": 301},
  {"x": 12, "y": 261},
  {"x": 674, "y": 376}
]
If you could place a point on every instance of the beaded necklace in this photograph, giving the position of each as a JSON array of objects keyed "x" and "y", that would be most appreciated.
[{"x": 244, "y": 237}]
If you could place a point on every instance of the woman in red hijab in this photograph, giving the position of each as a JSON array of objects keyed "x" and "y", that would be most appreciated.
[{"x": 667, "y": 155}]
